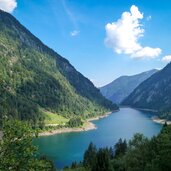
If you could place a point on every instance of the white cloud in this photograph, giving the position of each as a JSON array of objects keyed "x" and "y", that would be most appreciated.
[
  {"x": 123, "y": 35},
  {"x": 69, "y": 13},
  {"x": 166, "y": 58},
  {"x": 147, "y": 52},
  {"x": 74, "y": 33},
  {"x": 8, "y": 5}
]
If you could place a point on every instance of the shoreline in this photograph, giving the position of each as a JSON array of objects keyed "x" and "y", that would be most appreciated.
[
  {"x": 87, "y": 127},
  {"x": 102, "y": 116},
  {"x": 160, "y": 121},
  {"x": 143, "y": 109},
  {"x": 155, "y": 119},
  {"x": 148, "y": 110}
]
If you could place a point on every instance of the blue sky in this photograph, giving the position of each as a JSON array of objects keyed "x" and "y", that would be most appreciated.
[{"x": 103, "y": 39}]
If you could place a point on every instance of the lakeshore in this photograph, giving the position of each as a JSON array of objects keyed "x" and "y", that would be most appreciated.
[
  {"x": 100, "y": 117},
  {"x": 142, "y": 109},
  {"x": 161, "y": 121},
  {"x": 68, "y": 147},
  {"x": 88, "y": 125}
]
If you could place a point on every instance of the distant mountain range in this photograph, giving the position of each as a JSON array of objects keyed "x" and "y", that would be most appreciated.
[
  {"x": 123, "y": 86},
  {"x": 34, "y": 78},
  {"x": 154, "y": 93}
]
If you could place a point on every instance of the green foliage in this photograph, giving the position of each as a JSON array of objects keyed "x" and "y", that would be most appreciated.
[
  {"x": 16, "y": 150},
  {"x": 90, "y": 156},
  {"x": 34, "y": 77},
  {"x": 53, "y": 118},
  {"x": 75, "y": 122},
  {"x": 139, "y": 154},
  {"x": 76, "y": 169},
  {"x": 74, "y": 165},
  {"x": 97, "y": 160},
  {"x": 102, "y": 162},
  {"x": 120, "y": 148}
]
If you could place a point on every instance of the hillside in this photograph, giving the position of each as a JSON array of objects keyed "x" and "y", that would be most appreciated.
[
  {"x": 123, "y": 86},
  {"x": 34, "y": 78},
  {"x": 154, "y": 93}
]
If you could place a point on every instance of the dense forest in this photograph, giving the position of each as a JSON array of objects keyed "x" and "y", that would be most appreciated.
[
  {"x": 33, "y": 78},
  {"x": 138, "y": 154},
  {"x": 75, "y": 122}
]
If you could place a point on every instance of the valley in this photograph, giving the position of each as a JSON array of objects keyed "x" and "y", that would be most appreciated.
[
  {"x": 71, "y": 146},
  {"x": 82, "y": 89},
  {"x": 37, "y": 83}
]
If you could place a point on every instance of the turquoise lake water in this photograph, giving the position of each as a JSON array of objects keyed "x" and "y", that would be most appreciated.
[{"x": 65, "y": 148}]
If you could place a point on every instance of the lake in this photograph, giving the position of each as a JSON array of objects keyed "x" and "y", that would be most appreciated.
[{"x": 65, "y": 148}]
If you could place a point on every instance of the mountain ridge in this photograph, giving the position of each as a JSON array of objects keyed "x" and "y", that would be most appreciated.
[
  {"x": 120, "y": 88},
  {"x": 154, "y": 93},
  {"x": 34, "y": 76}
]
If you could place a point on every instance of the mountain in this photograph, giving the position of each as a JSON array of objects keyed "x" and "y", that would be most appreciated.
[
  {"x": 154, "y": 93},
  {"x": 122, "y": 87},
  {"x": 34, "y": 78}
]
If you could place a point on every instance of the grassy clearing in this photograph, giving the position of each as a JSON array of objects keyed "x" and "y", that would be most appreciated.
[{"x": 53, "y": 118}]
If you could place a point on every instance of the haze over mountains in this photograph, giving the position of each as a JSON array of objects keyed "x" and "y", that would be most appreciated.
[
  {"x": 122, "y": 87},
  {"x": 154, "y": 93},
  {"x": 34, "y": 78}
]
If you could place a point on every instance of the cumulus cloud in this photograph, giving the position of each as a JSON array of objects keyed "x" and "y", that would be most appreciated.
[
  {"x": 147, "y": 52},
  {"x": 166, "y": 58},
  {"x": 74, "y": 33},
  {"x": 124, "y": 34},
  {"x": 8, "y": 5}
]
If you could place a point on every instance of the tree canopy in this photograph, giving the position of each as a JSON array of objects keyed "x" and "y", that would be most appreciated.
[
  {"x": 17, "y": 152},
  {"x": 139, "y": 154}
]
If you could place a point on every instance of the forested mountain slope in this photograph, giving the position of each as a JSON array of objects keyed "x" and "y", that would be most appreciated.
[
  {"x": 122, "y": 87},
  {"x": 33, "y": 78},
  {"x": 154, "y": 93}
]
